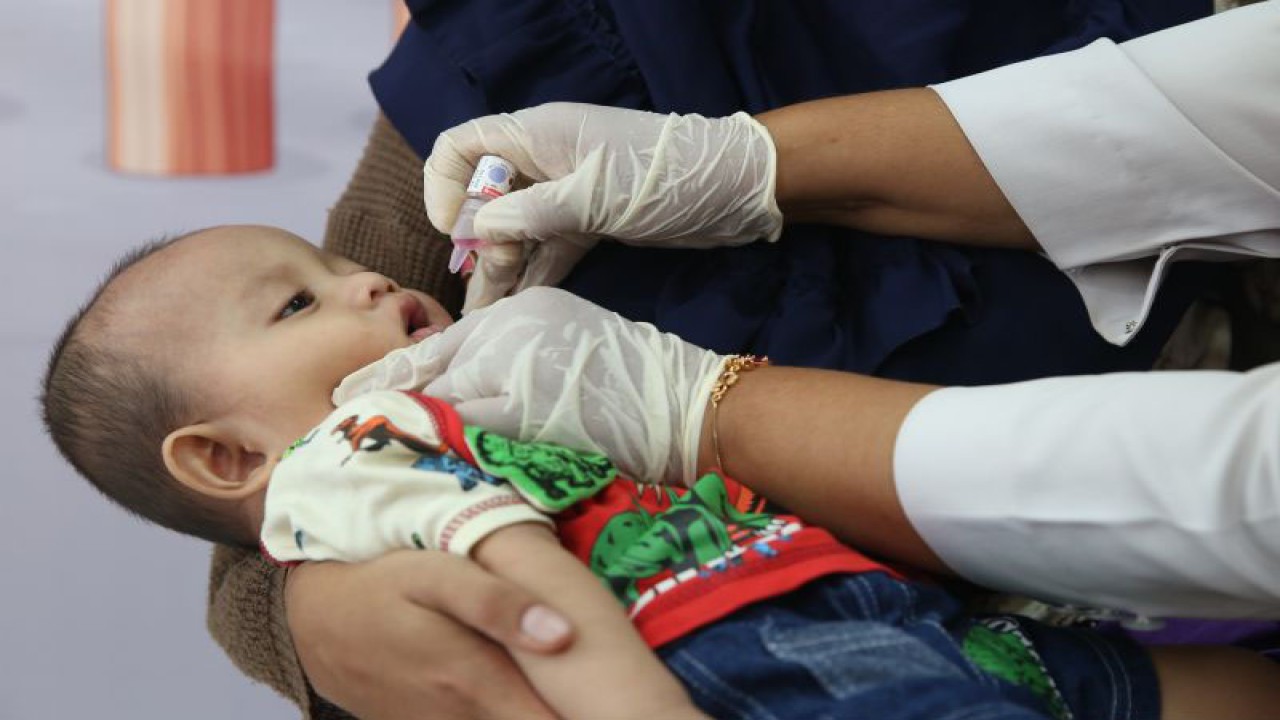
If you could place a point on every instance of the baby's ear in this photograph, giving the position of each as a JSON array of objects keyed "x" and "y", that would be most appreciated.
[{"x": 212, "y": 461}]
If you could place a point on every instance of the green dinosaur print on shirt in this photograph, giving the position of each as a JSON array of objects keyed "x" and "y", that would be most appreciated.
[
  {"x": 551, "y": 477},
  {"x": 697, "y": 528}
]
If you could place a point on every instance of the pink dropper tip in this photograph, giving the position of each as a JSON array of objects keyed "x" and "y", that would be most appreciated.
[{"x": 459, "y": 258}]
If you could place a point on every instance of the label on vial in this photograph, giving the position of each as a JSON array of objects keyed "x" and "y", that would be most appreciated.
[{"x": 492, "y": 177}]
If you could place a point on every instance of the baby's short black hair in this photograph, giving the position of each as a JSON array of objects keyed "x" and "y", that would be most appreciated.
[{"x": 108, "y": 410}]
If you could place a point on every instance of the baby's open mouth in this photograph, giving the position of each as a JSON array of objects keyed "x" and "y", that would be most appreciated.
[
  {"x": 416, "y": 323},
  {"x": 423, "y": 333}
]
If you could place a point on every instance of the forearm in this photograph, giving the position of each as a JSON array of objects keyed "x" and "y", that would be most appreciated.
[
  {"x": 1151, "y": 491},
  {"x": 891, "y": 162},
  {"x": 609, "y": 671},
  {"x": 386, "y": 638},
  {"x": 838, "y": 472}
]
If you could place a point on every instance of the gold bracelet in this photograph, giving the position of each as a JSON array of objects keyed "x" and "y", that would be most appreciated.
[{"x": 733, "y": 367}]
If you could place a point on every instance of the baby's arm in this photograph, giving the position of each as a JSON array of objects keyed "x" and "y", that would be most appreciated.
[
  {"x": 608, "y": 672},
  {"x": 376, "y": 475}
]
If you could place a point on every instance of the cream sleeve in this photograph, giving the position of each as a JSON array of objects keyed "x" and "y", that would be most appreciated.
[
  {"x": 1153, "y": 492},
  {"x": 1124, "y": 158},
  {"x": 376, "y": 476}
]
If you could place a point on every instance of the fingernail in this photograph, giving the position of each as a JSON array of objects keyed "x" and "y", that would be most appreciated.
[{"x": 543, "y": 624}]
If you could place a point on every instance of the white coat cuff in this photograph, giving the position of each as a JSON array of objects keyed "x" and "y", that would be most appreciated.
[
  {"x": 1154, "y": 492},
  {"x": 1106, "y": 196}
]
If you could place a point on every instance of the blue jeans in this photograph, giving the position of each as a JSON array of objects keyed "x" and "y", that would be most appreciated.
[{"x": 870, "y": 646}]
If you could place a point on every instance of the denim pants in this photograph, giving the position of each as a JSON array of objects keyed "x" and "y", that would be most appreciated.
[{"x": 870, "y": 646}]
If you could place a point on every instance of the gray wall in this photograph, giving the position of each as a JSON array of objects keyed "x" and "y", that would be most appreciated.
[{"x": 101, "y": 616}]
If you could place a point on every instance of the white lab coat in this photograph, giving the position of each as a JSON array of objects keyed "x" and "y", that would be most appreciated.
[
  {"x": 1123, "y": 158},
  {"x": 1155, "y": 492}
]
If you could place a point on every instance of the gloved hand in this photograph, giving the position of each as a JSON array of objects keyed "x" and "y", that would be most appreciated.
[
  {"x": 638, "y": 177},
  {"x": 547, "y": 366}
]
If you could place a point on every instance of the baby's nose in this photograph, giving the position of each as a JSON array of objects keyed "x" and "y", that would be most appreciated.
[{"x": 370, "y": 286}]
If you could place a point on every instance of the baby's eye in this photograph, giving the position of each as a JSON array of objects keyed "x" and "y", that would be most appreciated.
[{"x": 299, "y": 302}]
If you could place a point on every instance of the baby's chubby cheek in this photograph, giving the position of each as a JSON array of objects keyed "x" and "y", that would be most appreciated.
[
  {"x": 366, "y": 355},
  {"x": 372, "y": 355},
  {"x": 371, "y": 344}
]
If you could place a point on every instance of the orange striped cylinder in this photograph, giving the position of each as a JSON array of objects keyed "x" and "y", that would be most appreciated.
[{"x": 190, "y": 86}]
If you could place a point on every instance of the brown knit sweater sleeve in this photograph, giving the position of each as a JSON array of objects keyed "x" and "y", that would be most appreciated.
[{"x": 378, "y": 222}]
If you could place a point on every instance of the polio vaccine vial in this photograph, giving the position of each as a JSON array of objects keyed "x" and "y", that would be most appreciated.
[{"x": 492, "y": 179}]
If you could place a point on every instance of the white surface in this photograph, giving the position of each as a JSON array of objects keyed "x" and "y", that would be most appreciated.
[{"x": 100, "y": 615}]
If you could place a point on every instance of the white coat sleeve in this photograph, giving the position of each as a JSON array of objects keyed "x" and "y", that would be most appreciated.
[
  {"x": 1123, "y": 158},
  {"x": 376, "y": 476},
  {"x": 1153, "y": 492}
]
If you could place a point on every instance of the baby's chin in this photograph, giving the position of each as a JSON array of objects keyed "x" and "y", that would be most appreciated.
[{"x": 393, "y": 370}]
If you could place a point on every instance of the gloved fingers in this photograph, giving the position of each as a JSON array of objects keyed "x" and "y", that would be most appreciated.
[
  {"x": 411, "y": 367},
  {"x": 497, "y": 270},
  {"x": 445, "y": 176},
  {"x": 491, "y": 413},
  {"x": 453, "y": 158},
  {"x": 552, "y": 260},
  {"x": 406, "y": 368},
  {"x": 562, "y": 208}
]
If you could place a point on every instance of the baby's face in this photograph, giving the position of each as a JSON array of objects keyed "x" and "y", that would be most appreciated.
[{"x": 271, "y": 324}]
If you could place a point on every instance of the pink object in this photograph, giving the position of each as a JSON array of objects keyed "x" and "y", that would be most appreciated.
[
  {"x": 492, "y": 179},
  {"x": 462, "y": 260}
]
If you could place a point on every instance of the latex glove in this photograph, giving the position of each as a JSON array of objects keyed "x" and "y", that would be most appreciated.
[
  {"x": 548, "y": 366},
  {"x": 642, "y": 178}
]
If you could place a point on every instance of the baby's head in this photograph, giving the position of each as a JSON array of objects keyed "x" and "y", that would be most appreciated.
[{"x": 200, "y": 359}]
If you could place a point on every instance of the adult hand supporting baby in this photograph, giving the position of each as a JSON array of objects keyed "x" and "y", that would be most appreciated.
[
  {"x": 545, "y": 365},
  {"x": 404, "y": 636},
  {"x": 638, "y": 177}
]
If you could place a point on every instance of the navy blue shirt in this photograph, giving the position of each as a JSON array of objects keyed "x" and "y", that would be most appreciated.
[{"x": 821, "y": 296}]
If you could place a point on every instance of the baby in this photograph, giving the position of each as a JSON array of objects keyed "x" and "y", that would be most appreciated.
[{"x": 194, "y": 389}]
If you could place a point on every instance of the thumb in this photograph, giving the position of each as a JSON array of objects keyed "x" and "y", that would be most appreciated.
[
  {"x": 409, "y": 368},
  {"x": 491, "y": 413},
  {"x": 497, "y": 269},
  {"x": 405, "y": 368}
]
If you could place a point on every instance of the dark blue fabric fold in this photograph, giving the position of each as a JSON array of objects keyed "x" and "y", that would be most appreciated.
[{"x": 823, "y": 297}]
